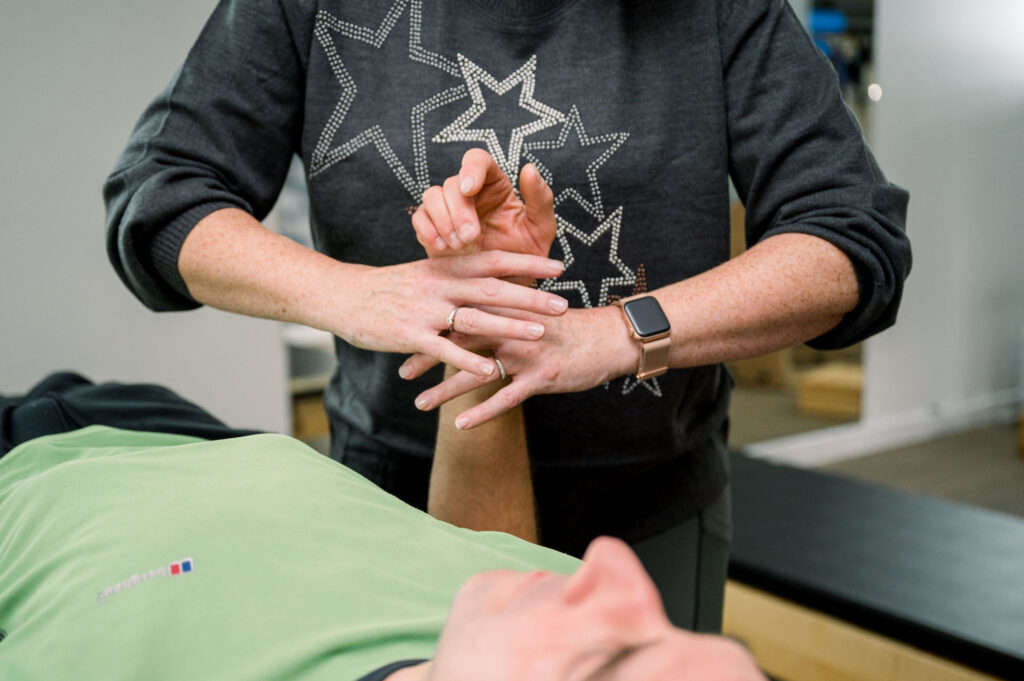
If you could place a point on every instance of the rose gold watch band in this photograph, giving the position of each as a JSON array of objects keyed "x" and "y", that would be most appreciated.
[
  {"x": 654, "y": 351},
  {"x": 654, "y": 357}
]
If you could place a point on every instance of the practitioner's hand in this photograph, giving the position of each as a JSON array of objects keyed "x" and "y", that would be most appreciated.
[
  {"x": 403, "y": 308},
  {"x": 478, "y": 210},
  {"x": 579, "y": 350}
]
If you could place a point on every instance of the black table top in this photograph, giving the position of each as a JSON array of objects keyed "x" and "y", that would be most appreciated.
[{"x": 941, "y": 576}]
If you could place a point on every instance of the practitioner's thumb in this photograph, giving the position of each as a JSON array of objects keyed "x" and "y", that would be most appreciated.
[{"x": 537, "y": 195}]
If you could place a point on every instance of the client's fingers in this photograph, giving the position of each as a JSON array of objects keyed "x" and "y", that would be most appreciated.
[
  {"x": 479, "y": 169},
  {"x": 537, "y": 196},
  {"x": 436, "y": 209},
  {"x": 461, "y": 211},
  {"x": 425, "y": 232}
]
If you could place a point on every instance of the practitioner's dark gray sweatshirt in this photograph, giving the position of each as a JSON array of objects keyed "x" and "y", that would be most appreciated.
[{"x": 637, "y": 113}]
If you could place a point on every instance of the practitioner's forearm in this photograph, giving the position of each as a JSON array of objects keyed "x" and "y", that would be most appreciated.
[
  {"x": 784, "y": 291},
  {"x": 481, "y": 478},
  {"x": 232, "y": 262}
]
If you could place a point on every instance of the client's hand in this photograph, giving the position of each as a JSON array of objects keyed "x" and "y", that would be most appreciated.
[
  {"x": 604, "y": 623},
  {"x": 478, "y": 210}
]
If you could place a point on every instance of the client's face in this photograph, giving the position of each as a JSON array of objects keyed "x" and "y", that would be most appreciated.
[{"x": 605, "y": 622}]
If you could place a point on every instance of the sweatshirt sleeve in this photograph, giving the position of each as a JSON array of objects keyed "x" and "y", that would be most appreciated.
[
  {"x": 221, "y": 135},
  {"x": 798, "y": 159}
]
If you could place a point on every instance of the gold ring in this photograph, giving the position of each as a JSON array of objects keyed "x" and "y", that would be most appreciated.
[{"x": 451, "y": 319}]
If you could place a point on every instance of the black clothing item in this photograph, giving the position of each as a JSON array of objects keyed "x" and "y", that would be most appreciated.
[
  {"x": 575, "y": 504},
  {"x": 66, "y": 401},
  {"x": 636, "y": 113},
  {"x": 385, "y": 671}
]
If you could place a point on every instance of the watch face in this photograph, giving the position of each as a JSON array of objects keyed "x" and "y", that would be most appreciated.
[{"x": 646, "y": 317}]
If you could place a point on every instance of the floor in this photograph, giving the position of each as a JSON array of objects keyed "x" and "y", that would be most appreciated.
[{"x": 980, "y": 467}]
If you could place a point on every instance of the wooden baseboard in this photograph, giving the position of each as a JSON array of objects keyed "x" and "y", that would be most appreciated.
[
  {"x": 795, "y": 643},
  {"x": 1020, "y": 435},
  {"x": 309, "y": 420}
]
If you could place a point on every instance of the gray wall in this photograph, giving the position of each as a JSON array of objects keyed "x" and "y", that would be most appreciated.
[
  {"x": 74, "y": 76},
  {"x": 950, "y": 128}
]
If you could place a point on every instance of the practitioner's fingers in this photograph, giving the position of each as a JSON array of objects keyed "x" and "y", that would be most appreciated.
[
  {"x": 450, "y": 353},
  {"x": 436, "y": 209},
  {"x": 501, "y": 264},
  {"x": 462, "y": 382},
  {"x": 473, "y": 322},
  {"x": 458, "y": 384},
  {"x": 497, "y": 293},
  {"x": 417, "y": 365}
]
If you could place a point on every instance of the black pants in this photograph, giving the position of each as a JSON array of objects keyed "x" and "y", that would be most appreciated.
[{"x": 65, "y": 401}]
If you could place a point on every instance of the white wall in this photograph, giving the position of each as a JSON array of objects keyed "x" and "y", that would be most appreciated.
[
  {"x": 950, "y": 128},
  {"x": 74, "y": 76}
]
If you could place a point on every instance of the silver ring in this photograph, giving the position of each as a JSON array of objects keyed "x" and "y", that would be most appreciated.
[
  {"x": 501, "y": 368},
  {"x": 451, "y": 320}
]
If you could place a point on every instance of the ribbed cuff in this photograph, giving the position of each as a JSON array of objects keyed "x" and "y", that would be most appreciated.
[{"x": 166, "y": 245}]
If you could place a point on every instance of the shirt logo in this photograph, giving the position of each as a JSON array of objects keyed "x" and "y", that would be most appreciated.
[{"x": 178, "y": 567}]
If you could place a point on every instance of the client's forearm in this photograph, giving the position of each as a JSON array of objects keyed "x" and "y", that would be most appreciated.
[{"x": 481, "y": 478}]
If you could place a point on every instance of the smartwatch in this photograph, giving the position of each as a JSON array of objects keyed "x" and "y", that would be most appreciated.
[{"x": 648, "y": 325}]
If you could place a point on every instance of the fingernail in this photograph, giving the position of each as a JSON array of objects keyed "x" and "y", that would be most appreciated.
[
  {"x": 556, "y": 266},
  {"x": 404, "y": 371},
  {"x": 465, "y": 184},
  {"x": 467, "y": 232},
  {"x": 558, "y": 304},
  {"x": 486, "y": 368},
  {"x": 535, "y": 330},
  {"x": 461, "y": 422},
  {"x": 422, "y": 402},
  {"x": 439, "y": 244}
]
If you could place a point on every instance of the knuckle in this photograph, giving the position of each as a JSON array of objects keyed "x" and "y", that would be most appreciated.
[
  {"x": 509, "y": 398},
  {"x": 452, "y": 184},
  {"x": 490, "y": 287},
  {"x": 468, "y": 319},
  {"x": 492, "y": 259}
]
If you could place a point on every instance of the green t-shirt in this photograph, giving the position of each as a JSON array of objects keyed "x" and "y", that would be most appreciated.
[{"x": 128, "y": 555}]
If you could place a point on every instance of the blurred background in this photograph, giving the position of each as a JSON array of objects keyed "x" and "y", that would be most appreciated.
[{"x": 931, "y": 405}]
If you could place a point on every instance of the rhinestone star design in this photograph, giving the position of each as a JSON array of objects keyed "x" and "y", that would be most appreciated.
[
  {"x": 613, "y": 224},
  {"x": 594, "y": 206},
  {"x": 324, "y": 155},
  {"x": 460, "y": 131}
]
